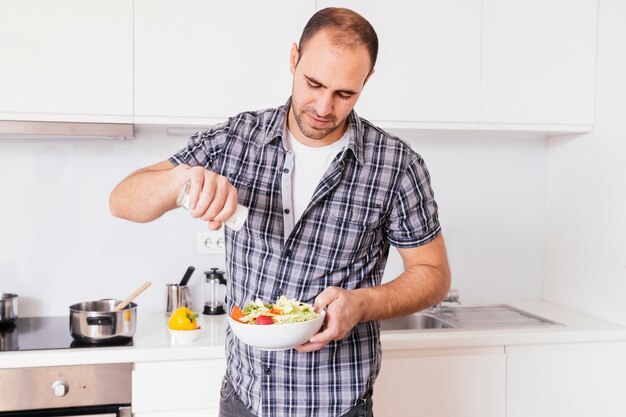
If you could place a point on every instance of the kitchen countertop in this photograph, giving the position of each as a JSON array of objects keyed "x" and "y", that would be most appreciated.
[
  {"x": 152, "y": 341},
  {"x": 577, "y": 328}
]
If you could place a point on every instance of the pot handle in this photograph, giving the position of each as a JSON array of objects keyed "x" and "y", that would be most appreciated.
[{"x": 98, "y": 321}]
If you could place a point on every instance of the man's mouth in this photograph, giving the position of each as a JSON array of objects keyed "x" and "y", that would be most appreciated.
[{"x": 318, "y": 121}]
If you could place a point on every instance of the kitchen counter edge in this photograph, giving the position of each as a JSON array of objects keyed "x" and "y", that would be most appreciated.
[{"x": 152, "y": 342}]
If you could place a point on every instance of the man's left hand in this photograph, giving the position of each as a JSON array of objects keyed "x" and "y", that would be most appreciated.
[{"x": 343, "y": 312}]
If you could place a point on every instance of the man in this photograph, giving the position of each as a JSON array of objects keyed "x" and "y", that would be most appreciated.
[{"x": 327, "y": 194}]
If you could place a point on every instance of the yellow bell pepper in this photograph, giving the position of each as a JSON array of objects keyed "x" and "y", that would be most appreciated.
[{"x": 183, "y": 319}]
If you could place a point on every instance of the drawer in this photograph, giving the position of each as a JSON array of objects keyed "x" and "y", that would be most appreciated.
[{"x": 177, "y": 385}]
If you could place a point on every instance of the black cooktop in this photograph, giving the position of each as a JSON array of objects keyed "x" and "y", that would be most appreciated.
[{"x": 42, "y": 333}]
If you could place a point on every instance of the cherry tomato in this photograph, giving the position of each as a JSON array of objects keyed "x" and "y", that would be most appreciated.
[{"x": 264, "y": 320}]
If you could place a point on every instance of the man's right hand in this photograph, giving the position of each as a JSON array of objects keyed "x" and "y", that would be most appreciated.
[
  {"x": 148, "y": 193},
  {"x": 212, "y": 197}
]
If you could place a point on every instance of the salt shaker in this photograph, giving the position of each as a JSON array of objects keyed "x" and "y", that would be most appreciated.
[{"x": 234, "y": 222}]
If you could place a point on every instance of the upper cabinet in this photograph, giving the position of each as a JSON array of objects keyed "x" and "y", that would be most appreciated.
[
  {"x": 443, "y": 64},
  {"x": 200, "y": 61},
  {"x": 428, "y": 67},
  {"x": 67, "y": 60},
  {"x": 538, "y": 62},
  {"x": 481, "y": 64}
]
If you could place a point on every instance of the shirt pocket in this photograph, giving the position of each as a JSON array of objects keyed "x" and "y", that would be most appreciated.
[
  {"x": 350, "y": 230},
  {"x": 256, "y": 195}
]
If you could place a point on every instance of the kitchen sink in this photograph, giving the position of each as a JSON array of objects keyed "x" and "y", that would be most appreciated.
[
  {"x": 417, "y": 321},
  {"x": 490, "y": 316}
]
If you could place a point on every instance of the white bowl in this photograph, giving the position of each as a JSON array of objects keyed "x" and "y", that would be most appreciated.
[
  {"x": 185, "y": 336},
  {"x": 276, "y": 336}
]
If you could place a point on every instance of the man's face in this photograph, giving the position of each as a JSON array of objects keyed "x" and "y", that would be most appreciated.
[{"x": 327, "y": 81}]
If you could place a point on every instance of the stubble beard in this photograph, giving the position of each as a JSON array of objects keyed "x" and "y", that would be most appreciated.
[{"x": 309, "y": 131}]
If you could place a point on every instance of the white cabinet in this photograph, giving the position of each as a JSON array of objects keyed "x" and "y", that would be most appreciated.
[
  {"x": 482, "y": 64},
  {"x": 177, "y": 388},
  {"x": 443, "y": 64},
  {"x": 538, "y": 62},
  {"x": 201, "y": 61},
  {"x": 428, "y": 67},
  {"x": 577, "y": 380},
  {"x": 67, "y": 60},
  {"x": 463, "y": 382}
]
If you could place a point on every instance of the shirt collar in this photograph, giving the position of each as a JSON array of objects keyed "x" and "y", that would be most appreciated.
[{"x": 278, "y": 124}]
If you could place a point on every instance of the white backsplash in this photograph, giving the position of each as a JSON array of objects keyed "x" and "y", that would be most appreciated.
[{"x": 59, "y": 244}]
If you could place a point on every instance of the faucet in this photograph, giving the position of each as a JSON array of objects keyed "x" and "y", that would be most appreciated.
[{"x": 452, "y": 297}]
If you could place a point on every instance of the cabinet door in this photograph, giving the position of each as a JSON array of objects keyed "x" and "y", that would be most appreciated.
[
  {"x": 67, "y": 60},
  {"x": 538, "y": 61},
  {"x": 428, "y": 67},
  {"x": 566, "y": 380},
  {"x": 443, "y": 383},
  {"x": 177, "y": 386},
  {"x": 195, "y": 413},
  {"x": 200, "y": 61}
]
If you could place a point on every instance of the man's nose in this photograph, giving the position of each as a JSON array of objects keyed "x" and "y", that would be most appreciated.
[{"x": 324, "y": 105}]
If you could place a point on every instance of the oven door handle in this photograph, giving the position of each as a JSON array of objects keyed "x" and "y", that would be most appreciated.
[{"x": 121, "y": 412}]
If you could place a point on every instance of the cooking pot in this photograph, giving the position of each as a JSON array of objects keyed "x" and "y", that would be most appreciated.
[
  {"x": 8, "y": 308},
  {"x": 95, "y": 322}
]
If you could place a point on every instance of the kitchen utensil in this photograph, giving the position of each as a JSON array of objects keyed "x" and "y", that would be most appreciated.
[
  {"x": 96, "y": 322},
  {"x": 131, "y": 297},
  {"x": 214, "y": 292},
  {"x": 235, "y": 221},
  {"x": 8, "y": 308},
  {"x": 177, "y": 296},
  {"x": 188, "y": 273}
]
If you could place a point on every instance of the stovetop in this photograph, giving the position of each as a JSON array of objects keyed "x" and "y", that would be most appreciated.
[{"x": 43, "y": 333}]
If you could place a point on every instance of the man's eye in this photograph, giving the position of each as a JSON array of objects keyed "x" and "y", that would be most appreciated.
[
  {"x": 344, "y": 96},
  {"x": 311, "y": 85}
]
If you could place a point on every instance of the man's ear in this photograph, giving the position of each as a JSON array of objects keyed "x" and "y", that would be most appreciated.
[
  {"x": 368, "y": 76},
  {"x": 293, "y": 58}
]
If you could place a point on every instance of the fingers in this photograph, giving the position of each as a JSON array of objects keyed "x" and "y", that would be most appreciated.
[
  {"x": 342, "y": 314},
  {"x": 310, "y": 347},
  {"x": 211, "y": 197},
  {"x": 229, "y": 207},
  {"x": 327, "y": 296},
  {"x": 326, "y": 335},
  {"x": 204, "y": 197},
  {"x": 196, "y": 180},
  {"x": 332, "y": 331},
  {"x": 214, "y": 225}
]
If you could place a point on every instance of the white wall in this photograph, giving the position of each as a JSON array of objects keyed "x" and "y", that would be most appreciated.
[
  {"x": 59, "y": 245},
  {"x": 490, "y": 188},
  {"x": 586, "y": 191}
]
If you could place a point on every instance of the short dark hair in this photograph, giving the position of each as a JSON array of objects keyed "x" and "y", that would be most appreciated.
[{"x": 347, "y": 28}]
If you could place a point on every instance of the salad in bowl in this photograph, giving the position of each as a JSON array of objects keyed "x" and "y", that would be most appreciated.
[{"x": 278, "y": 326}]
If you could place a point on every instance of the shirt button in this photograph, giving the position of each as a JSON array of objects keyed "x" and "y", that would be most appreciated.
[
  {"x": 286, "y": 170},
  {"x": 288, "y": 253},
  {"x": 268, "y": 371},
  {"x": 278, "y": 293},
  {"x": 287, "y": 211}
]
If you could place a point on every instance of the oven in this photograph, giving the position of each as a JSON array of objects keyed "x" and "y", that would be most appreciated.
[{"x": 57, "y": 391}]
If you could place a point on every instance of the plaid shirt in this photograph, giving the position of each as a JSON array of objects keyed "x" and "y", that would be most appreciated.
[{"x": 376, "y": 192}]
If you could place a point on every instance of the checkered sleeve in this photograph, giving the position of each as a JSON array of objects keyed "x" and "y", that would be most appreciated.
[
  {"x": 413, "y": 220},
  {"x": 204, "y": 148}
]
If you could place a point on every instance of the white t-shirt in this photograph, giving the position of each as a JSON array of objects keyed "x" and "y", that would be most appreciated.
[{"x": 309, "y": 166}]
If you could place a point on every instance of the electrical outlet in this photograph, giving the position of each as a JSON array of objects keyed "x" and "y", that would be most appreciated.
[{"x": 211, "y": 241}]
